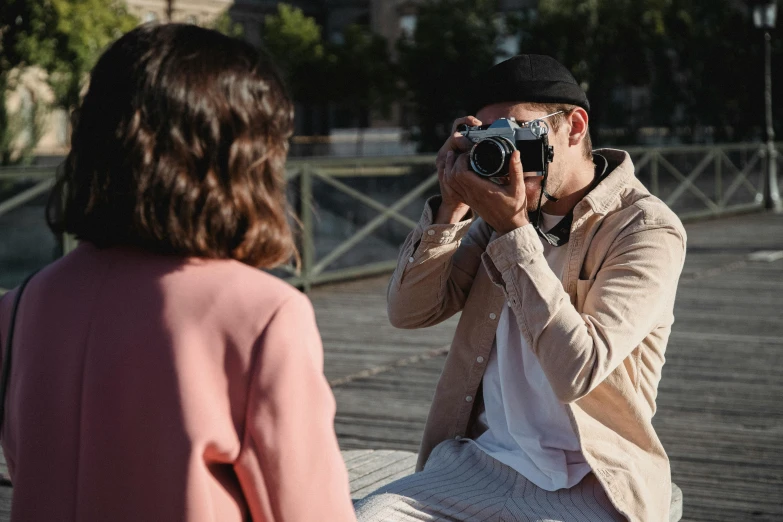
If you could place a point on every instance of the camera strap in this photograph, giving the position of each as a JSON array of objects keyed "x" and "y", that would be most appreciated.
[{"x": 560, "y": 233}]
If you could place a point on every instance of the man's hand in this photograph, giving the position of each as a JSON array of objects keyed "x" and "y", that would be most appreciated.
[
  {"x": 503, "y": 207},
  {"x": 453, "y": 206}
]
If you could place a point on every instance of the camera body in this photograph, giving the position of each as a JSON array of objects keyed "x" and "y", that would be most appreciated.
[{"x": 494, "y": 144}]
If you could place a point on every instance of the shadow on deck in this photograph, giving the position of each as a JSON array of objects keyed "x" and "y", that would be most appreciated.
[{"x": 719, "y": 411}]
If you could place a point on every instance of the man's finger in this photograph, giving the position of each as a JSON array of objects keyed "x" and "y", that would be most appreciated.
[
  {"x": 516, "y": 174},
  {"x": 462, "y": 165},
  {"x": 472, "y": 182},
  {"x": 450, "y": 159},
  {"x": 456, "y": 142},
  {"x": 460, "y": 143},
  {"x": 471, "y": 121}
]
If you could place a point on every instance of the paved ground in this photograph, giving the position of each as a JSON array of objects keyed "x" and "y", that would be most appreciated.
[{"x": 720, "y": 416}]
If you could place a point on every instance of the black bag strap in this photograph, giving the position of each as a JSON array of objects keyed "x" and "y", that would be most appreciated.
[{"x": 7, "y": 354}]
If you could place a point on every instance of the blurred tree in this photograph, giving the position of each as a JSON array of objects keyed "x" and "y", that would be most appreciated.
[
  {"x": 84, "y": 29},
  {"x": 700, "y": 59},
  {"x": 717, "y": 61},
  {"x": 21, "y": 129},
  {"x": 363, "y": 79},
  {"x": 19, "y": 19},
  {"x": 294, "y": 41},
  {"x": 607, "y": 44},
  {"x": 224, "y": 24},
  {"x": 453, "y": 44},
  {"x": 64, "y": 37}
]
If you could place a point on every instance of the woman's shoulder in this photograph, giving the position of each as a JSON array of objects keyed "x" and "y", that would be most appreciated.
[
  {"x": 191, "y": 284},
  {"x": 244, "y": 286},
  {"x": 247, "y": 278}
]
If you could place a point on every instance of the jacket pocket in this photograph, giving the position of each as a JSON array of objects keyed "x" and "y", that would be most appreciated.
[{"x": 583, "y": 287}]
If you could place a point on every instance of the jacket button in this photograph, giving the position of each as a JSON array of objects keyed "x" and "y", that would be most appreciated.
[
  {"x": 430, "y": 232},
  {"x": 479, "y": 359},
  {"x": 468, "y": 398},
  {"x": 492, "y": 316}
]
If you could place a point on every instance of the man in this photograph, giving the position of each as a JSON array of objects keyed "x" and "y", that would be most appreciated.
[{"x": 544, "y": 407}]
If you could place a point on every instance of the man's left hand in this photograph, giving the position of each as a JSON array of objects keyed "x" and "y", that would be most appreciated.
[{"x": 503, "y": 207}]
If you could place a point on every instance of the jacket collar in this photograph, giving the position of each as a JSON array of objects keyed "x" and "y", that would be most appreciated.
[{"x": 604, "y": 196}]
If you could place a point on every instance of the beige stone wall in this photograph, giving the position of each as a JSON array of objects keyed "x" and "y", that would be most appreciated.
[
  {"x": 201, "y": 12},
  {"x": 30, "y": 89}
]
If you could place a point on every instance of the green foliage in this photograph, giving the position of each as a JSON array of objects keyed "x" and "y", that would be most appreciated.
[
  {"x": 717, "y": 67},
  {"x": 294, "y": 40},
  {"x": 355, "y": 75},
  {"x": 454, "y": 43},
  {"x": 363, "y": 78},
  {"x": 292, "y": 36},
  {"x": 65, "y": 37},
  {"x": 21, "y": 130},
  {"x": 86, "y": 28},
  {"x": 695, "y": 56},
  {"x": 605, "y": 43},
  {"x": 224, "y": 24},
  {"x": 24, "y": 25}
]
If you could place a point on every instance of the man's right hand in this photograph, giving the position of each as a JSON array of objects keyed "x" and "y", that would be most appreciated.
[{"x": 452, "y": 206}]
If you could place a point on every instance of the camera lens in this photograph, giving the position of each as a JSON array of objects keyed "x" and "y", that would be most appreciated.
[{"x": 489, "y": 157}]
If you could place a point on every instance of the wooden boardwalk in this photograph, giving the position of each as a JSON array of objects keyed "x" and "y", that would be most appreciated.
[{"x": 720, "y": 414}]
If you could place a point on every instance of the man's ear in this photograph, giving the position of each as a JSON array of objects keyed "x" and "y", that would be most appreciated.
[{"x": 577, "y": 120}]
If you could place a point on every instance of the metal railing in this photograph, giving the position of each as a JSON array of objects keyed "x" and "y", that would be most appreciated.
[
  {"x": 333, "y": 172},
  {"x": 695, "y": 181},
  {"x": 705, "y": 181}
]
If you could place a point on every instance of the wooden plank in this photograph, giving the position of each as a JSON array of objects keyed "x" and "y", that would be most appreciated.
[
  {"x": 719, "y": 415},
  {"x": 6, "y": 497}
]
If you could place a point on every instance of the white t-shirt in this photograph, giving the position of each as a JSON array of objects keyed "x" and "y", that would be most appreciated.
[{"x": 527, "y": 427}]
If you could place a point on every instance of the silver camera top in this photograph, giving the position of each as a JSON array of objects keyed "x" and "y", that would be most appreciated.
[{"x": 508, "y": 128}]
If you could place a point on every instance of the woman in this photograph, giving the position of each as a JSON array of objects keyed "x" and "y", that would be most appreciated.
[{"x": 157, "y": 374}]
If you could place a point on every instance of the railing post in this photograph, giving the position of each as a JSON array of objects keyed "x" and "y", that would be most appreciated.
[
  {"x": 772, "y": 196},
  {"x": 68, "y": 240},
  {"x": 719, "y": 177},
  {"x": 69, "y": 243},
  {"x": 306, "y": 201},
  {"x": 654, "y": 173}
]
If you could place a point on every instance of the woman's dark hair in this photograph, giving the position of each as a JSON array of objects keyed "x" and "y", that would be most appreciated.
[{"x": 179, "y": 148}]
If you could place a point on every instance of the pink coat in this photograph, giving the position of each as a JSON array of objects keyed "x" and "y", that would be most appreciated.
[{"x": 158, "y": 388}]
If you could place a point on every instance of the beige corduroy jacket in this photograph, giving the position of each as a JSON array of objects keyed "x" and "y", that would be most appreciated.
[{"x": 600, "y": 332}]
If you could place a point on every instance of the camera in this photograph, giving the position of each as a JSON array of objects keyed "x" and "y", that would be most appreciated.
[{"x": 494, "y": 144}]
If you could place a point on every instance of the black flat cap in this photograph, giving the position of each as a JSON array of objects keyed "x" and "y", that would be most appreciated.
[{"x": 528, "y": 78}]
